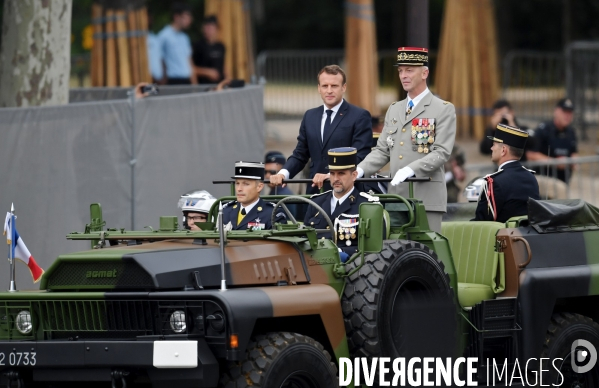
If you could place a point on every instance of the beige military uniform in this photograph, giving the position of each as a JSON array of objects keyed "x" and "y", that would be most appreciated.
[{"x": 398, "y": 146}]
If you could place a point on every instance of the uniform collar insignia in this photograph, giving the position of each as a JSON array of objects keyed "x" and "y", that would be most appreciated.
[
  {"x": 259, "y": 208},
  {"x": 352, "y": 198}
]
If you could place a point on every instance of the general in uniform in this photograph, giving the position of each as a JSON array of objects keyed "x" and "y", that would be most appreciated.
[
  {"x": 417, "y": 138},
  {"x": 249, "y": 211},
  {"x": 342, "y": 203},
  {"x": 505, "y": 193}
]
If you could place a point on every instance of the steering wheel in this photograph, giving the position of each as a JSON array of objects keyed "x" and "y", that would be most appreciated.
[{"x": 295, "y": 198}]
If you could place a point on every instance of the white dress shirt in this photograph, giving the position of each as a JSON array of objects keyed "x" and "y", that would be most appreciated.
[
  {"x": 417, "y": 99},
  {"x": 335, "y": 199}
]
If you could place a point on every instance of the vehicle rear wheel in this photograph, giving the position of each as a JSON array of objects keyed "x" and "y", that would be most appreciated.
[
  {"x": 282, "y": 360},
  {"x": 400, "y": 304},
  {"x": 564, "y": 329}
]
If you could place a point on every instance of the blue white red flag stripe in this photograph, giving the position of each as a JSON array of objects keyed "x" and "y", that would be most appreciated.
[{"x": 20, "y": 249}]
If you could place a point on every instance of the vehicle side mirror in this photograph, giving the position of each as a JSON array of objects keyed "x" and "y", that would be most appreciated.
[{"x": 370, "y": 231}]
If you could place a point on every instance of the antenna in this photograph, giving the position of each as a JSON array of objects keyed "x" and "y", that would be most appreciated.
[
  {"x": 547, "y": 183},
  {"x": 11, "y": 250},
  {"x": 221, "y": 229}
]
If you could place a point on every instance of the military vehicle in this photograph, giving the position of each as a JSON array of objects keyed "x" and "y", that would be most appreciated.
[{"x": 278, "y": 308}]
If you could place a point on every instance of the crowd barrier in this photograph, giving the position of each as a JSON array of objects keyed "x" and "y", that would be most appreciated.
[{"x": 136, "y": 159}]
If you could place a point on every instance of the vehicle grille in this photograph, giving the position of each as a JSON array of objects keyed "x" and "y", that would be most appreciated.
[{"x": 96, "y": 319}]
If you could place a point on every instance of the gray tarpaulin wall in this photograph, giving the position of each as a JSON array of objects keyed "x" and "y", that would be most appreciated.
[{"x": 55, "y": 161}]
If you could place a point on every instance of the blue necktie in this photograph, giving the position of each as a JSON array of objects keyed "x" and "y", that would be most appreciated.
[
  {"x": 327, "y": 124},
  {"x": 410, "y": 106}
]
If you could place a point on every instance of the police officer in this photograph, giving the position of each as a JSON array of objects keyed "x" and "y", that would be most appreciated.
[
  {"x": 505, "y": 193},
  {"x": 195, "y": 206},
  {"x": 342, "y": 203},
  {"x": 556, "y": 139},
  {"x": 273, "y": 163},
  {"x": 249, "y": 211}
]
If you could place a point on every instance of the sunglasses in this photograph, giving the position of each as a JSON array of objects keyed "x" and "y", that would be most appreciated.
[{"x": 271, "y": 172}]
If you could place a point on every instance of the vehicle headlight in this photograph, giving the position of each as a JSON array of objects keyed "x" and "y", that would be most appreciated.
[
  {"x": 23, "y": 322},
  {"x": 177, "y": 321}
]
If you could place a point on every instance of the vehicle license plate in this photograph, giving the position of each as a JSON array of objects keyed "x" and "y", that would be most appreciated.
[{"x": 18, "y": 359}]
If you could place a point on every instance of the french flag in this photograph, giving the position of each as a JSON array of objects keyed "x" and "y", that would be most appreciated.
[{"x": 20, "y": 249}]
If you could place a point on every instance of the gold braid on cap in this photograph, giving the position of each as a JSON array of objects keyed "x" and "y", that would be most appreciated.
[{"x": 412, "y": 57}]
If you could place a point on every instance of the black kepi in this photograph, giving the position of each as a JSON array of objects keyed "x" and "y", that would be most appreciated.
[
  {"x": 249, "y": 170},
  {"x": 343, "y": 158},
  {"x": 511, "y": 136}
]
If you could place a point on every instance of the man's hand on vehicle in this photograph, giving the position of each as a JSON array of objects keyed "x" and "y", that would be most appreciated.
[
  {"x": 277, "y": 180},
  {"x": 401, "y": 175},
  {"x": 319, "y": 179}
]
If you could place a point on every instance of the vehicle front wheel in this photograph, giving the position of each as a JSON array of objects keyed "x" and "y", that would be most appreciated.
[
  {"x": 563, "y": 331},
  {"x": 282, "y": 360}
]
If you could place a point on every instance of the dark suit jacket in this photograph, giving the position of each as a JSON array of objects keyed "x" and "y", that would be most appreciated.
[
  {"x": 261, "y": 213},
  {"x": 512, "y": 186},
  {"x": 350, "y": 206},
  {"x": 351, "y": 127}
]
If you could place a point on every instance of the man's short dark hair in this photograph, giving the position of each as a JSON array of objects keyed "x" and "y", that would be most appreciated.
[
  {"x": 333, "y": 70},
  {"x": 499, "y": 104},
  {"x": 210, "y": 19},
  {"x": 517, "y": 152},
  {"x": 180, "y": 8}
]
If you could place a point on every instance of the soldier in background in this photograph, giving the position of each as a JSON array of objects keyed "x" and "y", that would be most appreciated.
[{"x": 454, "y": 173}]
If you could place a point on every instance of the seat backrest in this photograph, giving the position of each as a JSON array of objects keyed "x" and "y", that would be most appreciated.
[{"x": 472, "y": 245}]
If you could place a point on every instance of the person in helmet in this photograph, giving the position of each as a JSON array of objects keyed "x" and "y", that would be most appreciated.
[{"x": 195, "y": 206}]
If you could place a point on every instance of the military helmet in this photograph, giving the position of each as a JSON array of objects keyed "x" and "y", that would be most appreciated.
[
  {"x": 198, "y": 201},
  {"x": 473, "y": 189}
]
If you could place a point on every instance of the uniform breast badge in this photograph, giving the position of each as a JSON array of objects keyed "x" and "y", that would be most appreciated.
[
  {"x": 423, "y": 134},
  {"x": 256, "y": 225},
  {"x": 394, "y": 121},
  {"x": 347, "y": 227},
  {"x": 390, "y": 141}
]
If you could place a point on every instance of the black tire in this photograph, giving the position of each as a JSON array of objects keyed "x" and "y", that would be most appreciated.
[
  {"x": 564, "y": 329},
  {"x": 282, "y": 360},
  {"x": 400, "y": 304}
]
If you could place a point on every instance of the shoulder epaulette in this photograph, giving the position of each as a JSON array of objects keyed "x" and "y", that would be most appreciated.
[
  {"x": 370, "y": 198},
  {"x": 319, "y": 194},
  {"x": 394, "y": 102},
  {"x": 270, "y": 203},
  {"x": 529, "y": 170},
  {"x": 229, "y": 203},
  {"x": 493, "y": 173}
]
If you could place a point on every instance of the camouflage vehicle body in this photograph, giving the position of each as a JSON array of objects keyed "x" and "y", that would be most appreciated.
[{"x": 99, "y": 313}]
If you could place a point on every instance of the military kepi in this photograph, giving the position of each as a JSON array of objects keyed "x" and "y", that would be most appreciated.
[
  {"x": 412, "y": 56},
  {"x": 511, "y": 136},
  {"x": 343, "y": 158},
  {"x": 249, "y": 170}
]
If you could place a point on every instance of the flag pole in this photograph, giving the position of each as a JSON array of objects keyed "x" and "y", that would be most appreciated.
[{"x": 12, "y": 287}]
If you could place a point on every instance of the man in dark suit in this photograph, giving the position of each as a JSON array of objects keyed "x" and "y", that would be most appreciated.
[
  {"x": 335, "y": 124},
  {"x": 249, "y": 211},
  {"x": 342, "y": 203},
  {"x": 505, "y": 193}
]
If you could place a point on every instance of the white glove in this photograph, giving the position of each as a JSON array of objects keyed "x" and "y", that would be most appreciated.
[{"x": 402, "y": 175}]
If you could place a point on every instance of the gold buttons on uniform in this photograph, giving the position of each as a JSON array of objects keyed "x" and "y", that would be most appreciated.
[
  {"x": 401, "y": 156},
  {"x": 328, "y": 227},
  {"x": 401, "y": 143},
  {"x": 403, "y": 129}
]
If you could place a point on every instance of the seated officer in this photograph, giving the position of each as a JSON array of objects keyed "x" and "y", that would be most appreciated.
[
  {"x": 342, "y": 203},
  {"x": 505, "y": 192},
  {"x": 249, "y": 211}
]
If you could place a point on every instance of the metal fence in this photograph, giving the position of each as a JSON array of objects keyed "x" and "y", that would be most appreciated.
[
  {"x": 289, "y": 78},
  {"x": 582, "y": 75},
  {"x": 532, "y": 82},
  {"x": 580, "y": 172}
]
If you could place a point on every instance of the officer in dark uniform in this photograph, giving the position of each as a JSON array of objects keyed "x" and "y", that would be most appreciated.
[
  {"x": 556, "y": 139},
  {"x": 505, "y": 192},
  {"x": 341, "y": 204},
  {"x": 249, "y": 211}
]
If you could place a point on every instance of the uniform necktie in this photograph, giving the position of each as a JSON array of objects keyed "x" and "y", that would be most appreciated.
[
  {"x": 410, "y": 106},
  {"x": 327, "y": 123},
  {"x": 336, "y": 205},
  {"x": 240, "y": 216}
]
